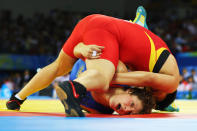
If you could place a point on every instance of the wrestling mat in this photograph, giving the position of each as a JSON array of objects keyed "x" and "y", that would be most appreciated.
[{"x": 48, "y": 115}]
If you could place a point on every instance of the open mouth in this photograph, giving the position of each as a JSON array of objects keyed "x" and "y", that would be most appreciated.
[{"x": 118, "y": 107}]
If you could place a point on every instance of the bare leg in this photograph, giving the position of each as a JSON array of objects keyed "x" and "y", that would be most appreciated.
[
  {"x": 98, "y": 75},
  {"x": 62, "y": 65},
  {"x": 97, "y": 78}
]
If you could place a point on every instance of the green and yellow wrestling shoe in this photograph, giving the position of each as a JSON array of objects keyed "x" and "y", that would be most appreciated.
[
  {"x": 140, "y": 18},
  {"x": 172, "y": 108}
]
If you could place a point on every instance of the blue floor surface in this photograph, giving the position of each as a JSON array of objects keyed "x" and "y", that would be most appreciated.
[{"x": 40, "y": 123}]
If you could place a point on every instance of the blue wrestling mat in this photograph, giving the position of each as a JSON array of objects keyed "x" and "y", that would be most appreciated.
[
  {"x": 12, "y": 123},
  {"x": 48, "y": 115}
]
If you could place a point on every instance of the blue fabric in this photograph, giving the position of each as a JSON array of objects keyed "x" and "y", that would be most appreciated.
[
  {"x": 54, "y": 123},
  {"x": 78, "y": 68},
  {"x": 88, "y": 101}
]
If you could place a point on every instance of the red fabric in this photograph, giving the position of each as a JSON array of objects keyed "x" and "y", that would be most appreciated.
[
  {"x": 122, "y": 40},
  {"x": 153, "y": 115}
]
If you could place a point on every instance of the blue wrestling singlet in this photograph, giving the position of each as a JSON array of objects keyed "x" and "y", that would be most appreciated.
[{"x": 88, "y": 103}]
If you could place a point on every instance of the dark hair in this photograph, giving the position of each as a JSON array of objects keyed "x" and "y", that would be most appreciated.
[{"x": 146, "y": 96}]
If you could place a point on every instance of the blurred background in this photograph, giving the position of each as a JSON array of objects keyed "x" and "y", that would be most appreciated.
[{"x": 32, "y": 33}]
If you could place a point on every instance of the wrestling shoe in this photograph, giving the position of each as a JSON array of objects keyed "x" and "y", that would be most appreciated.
[
  {"x": 70, "y": 93},
  {"x": 140, "y": 18},
  {"x": 14, "y": 103},
  {"x": 172, "y": 108}
]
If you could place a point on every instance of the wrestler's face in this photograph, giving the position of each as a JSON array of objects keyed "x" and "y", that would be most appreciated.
[{"x": 125, "y": 104}]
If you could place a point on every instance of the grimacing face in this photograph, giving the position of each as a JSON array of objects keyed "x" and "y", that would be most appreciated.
[{"x": 125, "y": 104}]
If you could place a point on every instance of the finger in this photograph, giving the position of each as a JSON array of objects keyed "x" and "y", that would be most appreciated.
[
  {"x": 102, "y": 47},
  {"x": 95, "y": 57},
  {"x": 90, "y": 50},
  {"x": 98, "y": 49},
  {"x": 90, "y": 55},
  {"x": 98, "y": 54}
]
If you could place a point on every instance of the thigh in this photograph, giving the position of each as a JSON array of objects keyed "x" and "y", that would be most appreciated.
[
  {"x": 103, "y": 66},
  {"x": 98, "y": 75},
  {"x": 74, "y": 39},
  {"x": 103, "y": 37},
  {"x": 100, "y": 71}
]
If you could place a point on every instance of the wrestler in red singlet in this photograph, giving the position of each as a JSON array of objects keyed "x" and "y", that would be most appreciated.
[{"x": 133, "y": 44}]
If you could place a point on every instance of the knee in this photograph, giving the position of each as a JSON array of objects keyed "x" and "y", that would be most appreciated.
[
  {"x": 58, "y": 69},
  {"x": 61, "y": 68},
  {"x": 100, "y": 77}
]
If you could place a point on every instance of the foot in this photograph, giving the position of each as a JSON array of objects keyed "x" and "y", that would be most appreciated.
[
  {"x": 14, "y": 103},
  {"x": 172, "y": 108},
  {"x": 70, "y": 98},
  {"x": 140, "y": 18}
]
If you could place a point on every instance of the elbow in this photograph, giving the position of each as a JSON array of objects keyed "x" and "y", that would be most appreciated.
[
  {"x": 168, "y": 86},
  {"x": 173, "y": 86},
  {"x": 171, "y": 90}
]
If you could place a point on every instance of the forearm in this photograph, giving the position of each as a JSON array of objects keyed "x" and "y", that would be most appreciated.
[
  {"x": 135, "y": 78},
  {"x": 159, "y": 82}
]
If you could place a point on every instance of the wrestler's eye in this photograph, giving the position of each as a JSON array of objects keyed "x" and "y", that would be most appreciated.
[
  {"x": 132, "y": 104},
  {"x": 118, "y": 107}
]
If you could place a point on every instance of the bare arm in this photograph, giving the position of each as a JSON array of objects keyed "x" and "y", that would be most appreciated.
[{"x": 159, "y": 82}]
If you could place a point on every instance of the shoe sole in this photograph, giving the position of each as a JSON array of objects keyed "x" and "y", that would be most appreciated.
[{"x": 72, "y": 109}]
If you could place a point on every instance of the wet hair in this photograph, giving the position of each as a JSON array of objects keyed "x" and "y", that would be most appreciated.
[{"x": 146, "y": 97}]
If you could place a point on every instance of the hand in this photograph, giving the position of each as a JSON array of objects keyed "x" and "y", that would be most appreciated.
[
  {"x": 88, "y": 51},
  {"x": 91, "y": 51}
]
